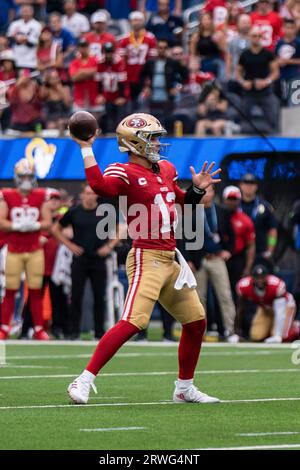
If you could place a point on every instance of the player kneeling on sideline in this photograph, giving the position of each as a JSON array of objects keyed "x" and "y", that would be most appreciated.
[
  {"x": 273, "y": 320},
  {"x": 24, "y": 213},
  {"x": 151, "y": 267}
]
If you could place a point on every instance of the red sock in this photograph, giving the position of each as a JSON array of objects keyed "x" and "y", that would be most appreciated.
[
  {"x": 8, "y": 306},
  {"x": 36, "y": 307},
  {"x": 110, "y": 343},
  {"x": 189, "y": 348}
]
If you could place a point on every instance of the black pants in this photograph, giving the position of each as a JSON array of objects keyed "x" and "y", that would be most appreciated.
[
  {"x": 84, "y": 268},
  {"x": 167, "y": 322},
  {"x": 268, "y": 102},
  {"x": 235, "y": 265},
  {"x": 60, "y": 310}
]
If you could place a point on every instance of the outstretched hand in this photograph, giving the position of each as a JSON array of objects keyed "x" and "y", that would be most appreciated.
[{"x": 205, "y": 177}]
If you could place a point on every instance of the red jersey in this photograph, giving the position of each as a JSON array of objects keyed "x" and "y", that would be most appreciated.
[
  {"x": 85, "y": 91},
  {"x": 244, "y": 230},
  {"x": 110, "y": 76},
  {"x": 20, "y": 207},
  {"x": 136, "y": 53},
  {"x": 151, "y": 225},
  {"x": 97, "y": 40},
  {"x": 274, "y": 289},
  {"x": 270, "y": 26}
]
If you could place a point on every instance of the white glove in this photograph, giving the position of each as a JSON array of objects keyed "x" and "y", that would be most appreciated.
[
  {"x": 30, "y": 226},
  {"x": 16, "y": 226}
]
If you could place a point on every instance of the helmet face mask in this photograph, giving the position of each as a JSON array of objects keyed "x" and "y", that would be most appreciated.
[
  {"x": 24, "y": 175},
  {"x": 140, "y": 133}
]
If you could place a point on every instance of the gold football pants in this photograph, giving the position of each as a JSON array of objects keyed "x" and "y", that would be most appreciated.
[
  {"x": 32, "y": 264},
  {"x": 152, "y": 275}
]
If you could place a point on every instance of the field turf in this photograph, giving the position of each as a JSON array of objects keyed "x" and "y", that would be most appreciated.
[{"x": 259, "y": 388}]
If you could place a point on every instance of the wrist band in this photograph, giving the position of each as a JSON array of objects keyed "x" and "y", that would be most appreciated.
[
  {"x": 87, "y": 152},
  {"x": 199, "y": 190}
]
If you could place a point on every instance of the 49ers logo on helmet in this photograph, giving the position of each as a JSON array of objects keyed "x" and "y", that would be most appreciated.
[{"x": 137, "y": 123}]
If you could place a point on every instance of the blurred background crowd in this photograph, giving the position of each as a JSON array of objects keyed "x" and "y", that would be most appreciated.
[{"x": 114, "y": 57}]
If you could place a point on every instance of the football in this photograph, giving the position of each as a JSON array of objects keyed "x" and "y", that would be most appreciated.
[{"x": 83, "y": 125}]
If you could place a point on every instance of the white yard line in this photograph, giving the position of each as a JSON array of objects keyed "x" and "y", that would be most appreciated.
[
  {"x": 262, "y": 447},
  {"x": 146, "y": 354},
  {"x": 157, "y": 373},
  {"x": 31, "y": 367},
  {"x": 132, "y": 428},
  {"x": 150, "y": 344},
  {"x": 154, "y": 403},
  {"x": 255, "y": 434}
]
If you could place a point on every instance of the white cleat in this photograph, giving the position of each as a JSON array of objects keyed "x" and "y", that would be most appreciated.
[
  {"x": 79, "y": 390},
  {"x": 273, "y": 340},
  {"x": 192, "y": 395}
]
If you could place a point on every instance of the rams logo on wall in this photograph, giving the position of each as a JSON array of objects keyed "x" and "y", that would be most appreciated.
[{"x": 41, "y": 154}]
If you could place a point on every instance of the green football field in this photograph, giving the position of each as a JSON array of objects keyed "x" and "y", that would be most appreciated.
[{"x": 259, "y": 387}]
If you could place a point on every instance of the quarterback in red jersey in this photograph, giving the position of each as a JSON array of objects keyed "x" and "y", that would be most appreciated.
[
  {"x": 24, "y": 212},
  {"x": 136, "y": 48},
  {"x": 152, "y": 271},
  {"x": 274, "y": 316}
]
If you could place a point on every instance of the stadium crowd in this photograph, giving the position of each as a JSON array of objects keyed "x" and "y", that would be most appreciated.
[
  {"x": 234, "y": 68},
  {"x": 114, "y": 57}
]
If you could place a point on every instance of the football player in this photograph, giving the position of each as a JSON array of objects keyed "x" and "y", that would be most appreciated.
[
  {"x": 151, "y": 267},
  {"x": 24, "y": 213},
  {"x": 273, "y": 320}
]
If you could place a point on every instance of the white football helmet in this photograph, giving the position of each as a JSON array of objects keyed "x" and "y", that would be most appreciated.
[
  {"x": 135, "y": 134},
  {"x": 24, "y": 168}
]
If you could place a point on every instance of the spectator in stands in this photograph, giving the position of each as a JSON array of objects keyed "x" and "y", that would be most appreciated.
[
  {"x": 152, "y": 6},
  {"x": 287, "y": 52},
  {"x": 4, "y": 43},
  {"x": 236, "y": 46},
  {"x": 113, "y": 87},
  {"x": 26, "y": 104},
  {"x": 73, "y": 21},
  {"x": 212, "y": 117},
  {"x": 58, "y": 101},
  {"x": 162, "y": 79},
  {"x": 39, "y": 8},
  {"x": 63, "y": 37},
  {"x": 243, "y": 253},
  {"x": 136, "y": 48},
  {"x": 7, "y": 75},
  {"x": 24, "y": 35},
  {"x": 207, "y": 47},
  {"x": 99, "y": 35},
  {"x": 83, "y": 71},
  {"x": 7, "y": 65},
  {"x": 256, "y": 72},
  {"x": 268, "y": 21},
  {"x": 165, "y": 25},
  {"x": 49, "y": 53},
  {"x": 262, "y": 214},
  {"x": 210, "y": 263},
  {"x": 7, "y": 14},
  {"x": 290, "y": 9},
  {"x": 89, "y": 253}
]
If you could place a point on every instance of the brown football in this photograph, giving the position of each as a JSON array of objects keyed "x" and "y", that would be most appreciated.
[{"x": 83, "y": 125}]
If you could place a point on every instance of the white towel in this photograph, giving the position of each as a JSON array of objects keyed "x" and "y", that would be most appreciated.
[{"x": 186, "y": 278}]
